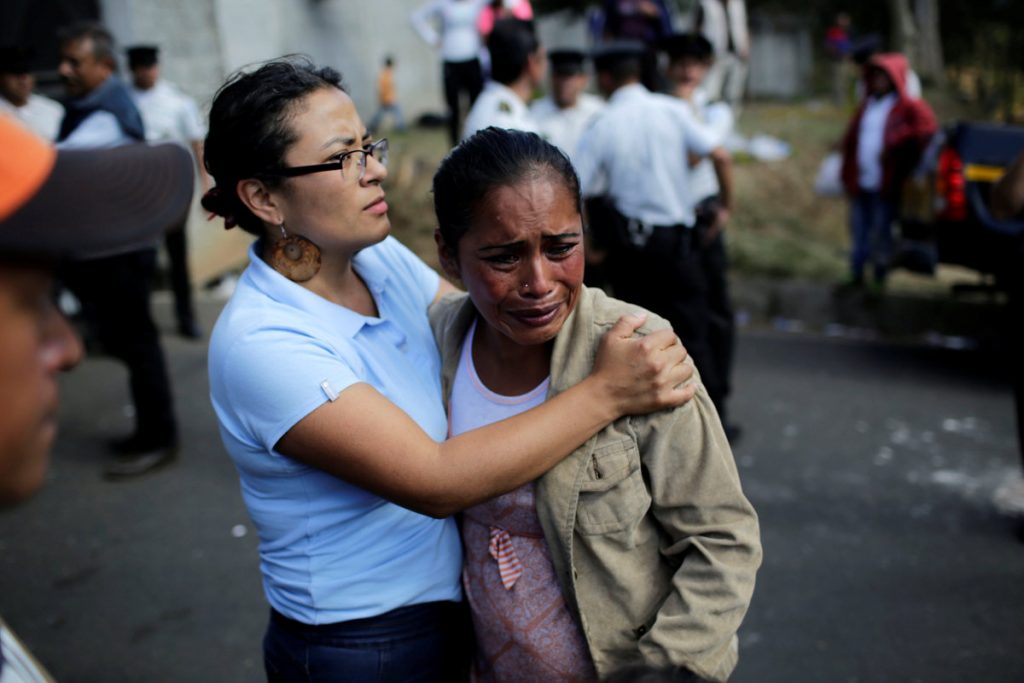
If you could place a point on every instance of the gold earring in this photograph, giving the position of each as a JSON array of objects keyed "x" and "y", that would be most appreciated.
[{"x": 295, "y": 257}]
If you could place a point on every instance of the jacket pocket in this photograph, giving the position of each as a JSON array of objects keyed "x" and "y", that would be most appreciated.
[{"x": 613, "y": 495}]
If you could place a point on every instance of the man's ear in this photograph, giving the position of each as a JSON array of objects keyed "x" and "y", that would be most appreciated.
[
  {"x": 446, "y": 255},
  {"x": 257, "y": 198}
]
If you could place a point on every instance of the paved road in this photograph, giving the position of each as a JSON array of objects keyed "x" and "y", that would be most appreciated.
[{"x": 872, "y": 467}]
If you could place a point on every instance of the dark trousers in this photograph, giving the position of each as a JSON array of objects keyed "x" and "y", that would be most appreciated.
[
  {"x": 428, "y": 643},
  {"x": 667, "y": 274},
  {"x": 461, "y": 78},
  {"x": 181, "y": 283},
  {"x": 871, "y": 218},
  {"x": 721, "y": 316},
  {"x": 114, "y": 293}
]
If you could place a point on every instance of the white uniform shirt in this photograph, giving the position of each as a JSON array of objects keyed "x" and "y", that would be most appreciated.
[
  {"x": 459, "y": 38},
  {"x": 40, "y": 114},
  {"x": 719, "y": 119},
  {"x": 168, "y": 114},
  {"x": 499, "y": 106},
  {"x": 563, "y": 127},
  {"x": 871, "y": 140},
  {"x": 636, "y": 153}
]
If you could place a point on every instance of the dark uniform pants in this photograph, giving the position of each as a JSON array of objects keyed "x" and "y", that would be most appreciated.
[
  {"x": 177, "y": 255},
  {"x": 114, "y": 292},
  {"x": 461, "y": 78},
  {"x": 668, "y": 274},
  {"x": 722, "y": 317}
]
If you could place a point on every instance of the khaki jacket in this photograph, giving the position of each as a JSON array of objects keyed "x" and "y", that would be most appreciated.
[{"x": 652, "y": 539}]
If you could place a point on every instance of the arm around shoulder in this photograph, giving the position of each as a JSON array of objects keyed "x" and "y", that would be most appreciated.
[{"x": 365, "y": 439}]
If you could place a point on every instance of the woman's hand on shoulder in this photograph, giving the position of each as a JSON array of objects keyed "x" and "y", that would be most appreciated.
[{"x": 643, "y": 374}]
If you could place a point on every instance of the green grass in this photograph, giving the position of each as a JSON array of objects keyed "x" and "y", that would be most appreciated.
[{"x": 780, "y": 228}]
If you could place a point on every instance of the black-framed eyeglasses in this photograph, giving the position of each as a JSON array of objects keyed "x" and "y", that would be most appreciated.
[{"x": 344, "y": 163}]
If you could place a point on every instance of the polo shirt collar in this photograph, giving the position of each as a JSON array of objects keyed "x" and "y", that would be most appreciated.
[{"x": 344, "y": 320}]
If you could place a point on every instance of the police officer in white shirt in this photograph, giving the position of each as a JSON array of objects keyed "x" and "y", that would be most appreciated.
[
  {"x": 170, "y": 115},
  {"x": 634, "y": 167},
  {"x": 567, "y": 111},
  {"x": 40, "y": 114},
  {"x": 517, "y": 69},
  {"x": 690, "y": 56}
]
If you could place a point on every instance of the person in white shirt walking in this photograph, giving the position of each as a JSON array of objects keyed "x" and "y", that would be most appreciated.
[
  {"x": 170, "y": 115},
  {"x": 724, "y": 24},
  {"x": 457, "y": 37},
  {"x": 689, "y": 58},
  {"x": 39, "y": 113},
  {"x": 567, "y": 111},
  {"x": 517, "y": 69}
]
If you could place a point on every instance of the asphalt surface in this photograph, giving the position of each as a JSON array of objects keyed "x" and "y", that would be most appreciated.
[{"x": 872, "y": 467}]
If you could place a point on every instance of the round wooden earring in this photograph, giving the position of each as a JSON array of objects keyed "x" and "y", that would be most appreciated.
[{"x": 295, "y": 257}]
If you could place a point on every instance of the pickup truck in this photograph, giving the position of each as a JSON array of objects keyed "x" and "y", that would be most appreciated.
[{"x": 945, "y": 215}]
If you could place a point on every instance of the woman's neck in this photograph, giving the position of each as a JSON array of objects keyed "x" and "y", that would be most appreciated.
[
  {"x": 505, "y": 367},
  {"x": 338, "y": 282}
]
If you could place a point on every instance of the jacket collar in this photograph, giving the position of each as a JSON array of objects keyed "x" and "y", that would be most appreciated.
[{"x": 573, "y": 345}]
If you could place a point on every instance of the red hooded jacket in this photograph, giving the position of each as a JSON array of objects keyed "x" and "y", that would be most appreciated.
[{"x": 909, "y": 126}]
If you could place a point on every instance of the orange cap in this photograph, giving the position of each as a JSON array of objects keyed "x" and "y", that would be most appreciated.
[{"x": 25, "y": 163}]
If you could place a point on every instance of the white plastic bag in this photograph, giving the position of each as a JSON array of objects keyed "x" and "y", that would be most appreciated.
[{"x": 828, "y": 182}]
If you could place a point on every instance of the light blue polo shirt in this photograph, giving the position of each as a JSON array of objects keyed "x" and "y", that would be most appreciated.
[{"x": 331, "y": 551}]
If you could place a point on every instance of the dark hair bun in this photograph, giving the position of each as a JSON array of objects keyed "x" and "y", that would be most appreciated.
[{"x": 217, "y": 202}]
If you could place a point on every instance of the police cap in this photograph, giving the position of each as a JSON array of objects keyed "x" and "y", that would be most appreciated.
[
  {"x": 141, "y": 55},
  {"x": 567, "y": 62}
]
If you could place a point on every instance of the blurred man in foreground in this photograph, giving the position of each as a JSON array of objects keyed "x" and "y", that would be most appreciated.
[{"x": 55, "y": 205}]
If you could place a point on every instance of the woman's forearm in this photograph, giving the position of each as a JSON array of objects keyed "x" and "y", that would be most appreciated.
[{"x": 367, "y": 440}]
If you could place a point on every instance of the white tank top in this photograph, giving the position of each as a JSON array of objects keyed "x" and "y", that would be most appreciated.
[{"x": 473, "y": 405}]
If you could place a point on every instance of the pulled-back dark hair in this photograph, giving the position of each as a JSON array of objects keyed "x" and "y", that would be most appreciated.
[
  {"x": 510, "y": 44},
  {"x": 489, "y": 159},
  {"x": 249, "y": 130}
]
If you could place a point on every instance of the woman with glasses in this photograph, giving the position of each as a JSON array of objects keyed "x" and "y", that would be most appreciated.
[{"x": 325, "y": 379}]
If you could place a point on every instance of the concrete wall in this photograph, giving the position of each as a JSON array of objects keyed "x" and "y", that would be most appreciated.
[
  {"x": 186, "y": 32},
  {"x": 781, "y": 57},
  {"x": 205, "y": 40}
]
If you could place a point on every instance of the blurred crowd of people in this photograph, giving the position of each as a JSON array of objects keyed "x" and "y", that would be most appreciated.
[{"x": 693, "y": 83}]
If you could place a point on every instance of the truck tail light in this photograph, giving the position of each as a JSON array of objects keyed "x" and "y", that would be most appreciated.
[{"x": 950, "y": 186}]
